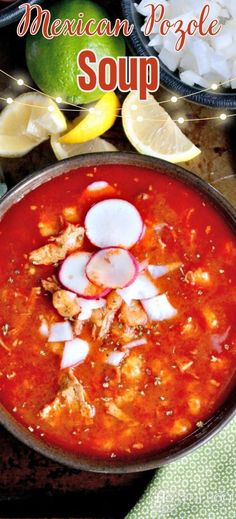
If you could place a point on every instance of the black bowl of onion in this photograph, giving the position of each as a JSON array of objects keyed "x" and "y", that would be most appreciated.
[{"x": 204, "y": 70}]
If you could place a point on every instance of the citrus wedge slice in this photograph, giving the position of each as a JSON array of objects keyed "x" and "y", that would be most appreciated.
[
  {"x": 27, "y": 122},
  {"x": 64, "y": 151},
  {"x": 152, "y": 132},
  {"x": 98, "y": 119}
]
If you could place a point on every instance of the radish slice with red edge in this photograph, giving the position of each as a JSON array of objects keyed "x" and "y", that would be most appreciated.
[
  {"x": 60, "y": 332},
  {"x": 113, "y": 223},
  {"x": 74, "y": 353},
  {"x": 72, "y": 275},
  {"x": 142, "y": 288},
  {"x": 112, "y": 267}
]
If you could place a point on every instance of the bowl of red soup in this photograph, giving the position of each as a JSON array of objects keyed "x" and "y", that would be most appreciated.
[{"x": 117, "y": 322}]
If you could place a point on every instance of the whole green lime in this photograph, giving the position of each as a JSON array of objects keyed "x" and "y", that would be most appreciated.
[{"x": 53, "y": 63}]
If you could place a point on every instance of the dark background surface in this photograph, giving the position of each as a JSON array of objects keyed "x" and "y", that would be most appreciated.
[{"x": 30, "y": 485}]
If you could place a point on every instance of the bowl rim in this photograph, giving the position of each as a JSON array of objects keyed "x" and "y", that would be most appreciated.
[
  {"x": 169, "y": 79},
  {"x": 225, "y": 412},
  {"x": 12, "y": 13}
]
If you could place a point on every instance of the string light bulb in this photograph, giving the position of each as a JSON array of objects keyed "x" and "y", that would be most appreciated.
[
  {"x": 223, "y": 117},
  {"x": 174, "y": 99},
  {"x": 20, "y": 82},
  {"x": 9, "y": 100},
  {"x": 181, "y": 120},
  {"x": 214, "y": 86},
  {"x": 58, "y": 99},
  {"x": 51, "y": 108}
]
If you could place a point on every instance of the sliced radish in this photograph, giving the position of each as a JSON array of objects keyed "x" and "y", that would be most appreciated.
[
  {"x": 113, "y": 223},
  {"x": 141, "y": 288},
  {"x": 72, "y": 276},
  {"x": 97, "y": 186},
  {"x": 87, "y": 306},
  {"x": 159, "y": 308},
  {"x": 74, "y": 353},
  {"x": 115, "y": 358},
  {"x": 134, "y": 344},
  {"x": 157, "y": 271},
  {"x": 112, "y": 267},
  {"x": 60, "y": 332}
]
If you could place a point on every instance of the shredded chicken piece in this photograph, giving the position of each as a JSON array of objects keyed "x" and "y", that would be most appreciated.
[
  {"x": 50, "y": 284},
  {"x": 115, "y": 411},
  {"x": 103, "y": 318},
  {"x": 72, "y": 396},
  {"x": 114, "y": 301},
  {"x": 66, "y": 303},
  {"x": 133, "y": 314},
  {"x": 68, "y": 241},
  {"x": 77, "y": 327}
]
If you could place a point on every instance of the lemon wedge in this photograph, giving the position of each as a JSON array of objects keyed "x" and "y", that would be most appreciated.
[
  {"x": 98, "y": 119},
  {"x": 152, "y": 132},
  {"x": 27, "y": 122},
  {"x": 64, "y": 151}
]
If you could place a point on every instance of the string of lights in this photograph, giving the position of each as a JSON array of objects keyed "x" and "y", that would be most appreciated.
[{"x": 78, "y": 108}]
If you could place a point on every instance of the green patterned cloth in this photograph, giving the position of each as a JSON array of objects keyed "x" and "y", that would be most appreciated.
[{"x": 200, "y": 486}]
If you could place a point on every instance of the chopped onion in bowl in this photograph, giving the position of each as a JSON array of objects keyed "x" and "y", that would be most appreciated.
[{"x": 203, "y": 60}]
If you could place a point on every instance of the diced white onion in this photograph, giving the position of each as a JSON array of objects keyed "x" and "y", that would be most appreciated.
[
  {"x": 157, "y": 271},
  {"x": 159, "y": 308},
  {"x": 87, "y": 306},
  {"x": 60, "y": 332},
  {"x": 203, "y": 60},
  {"x": 115, "y": 358},
  {"x": 74, "y": 353},
  {"x": 142, "y": 288}
]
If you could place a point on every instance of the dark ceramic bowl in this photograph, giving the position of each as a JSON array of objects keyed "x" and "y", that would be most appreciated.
[
  {"x": 12, "y": 12},
  {"x": 170, "y": 80},
  {"x": 224, "y": 413}
]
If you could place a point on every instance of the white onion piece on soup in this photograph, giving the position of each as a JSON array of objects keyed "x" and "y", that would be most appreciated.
[
  {"x": 115, "y": 358},
  {"x": 157, "y": 271},
  {"x": 113, "y": 223},
  {"x": 74, "y": 353},
  {"x": 159, "y": 308},
  {"x": 88, "y": 305},
  {"x": 60, "y": 332},
  {"x": 112, "y": 267},
  {"x": 98, "y": 186},
  {"x": 142, "y": 288}
]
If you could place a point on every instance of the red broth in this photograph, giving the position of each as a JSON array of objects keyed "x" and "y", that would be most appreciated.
[{"x": 164, "y": 389}]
